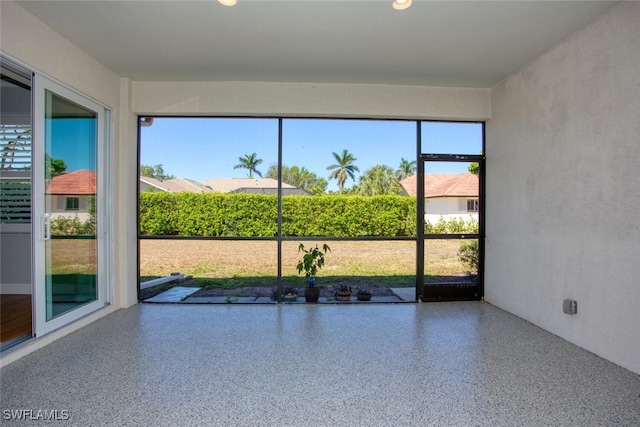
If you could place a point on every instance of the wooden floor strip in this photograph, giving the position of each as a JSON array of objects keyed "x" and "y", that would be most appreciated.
[{"x": 15, "y": 316}]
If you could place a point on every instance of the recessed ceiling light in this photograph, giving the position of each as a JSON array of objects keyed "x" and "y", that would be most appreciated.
[
  {"x": 401, "y": 4},
  {"x": 228, "y": 2}
]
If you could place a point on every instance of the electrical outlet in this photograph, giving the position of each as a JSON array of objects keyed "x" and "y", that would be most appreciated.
[{"x": 570, "y": 306}]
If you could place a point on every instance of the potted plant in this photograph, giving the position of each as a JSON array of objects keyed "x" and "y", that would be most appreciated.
[
  {"x": 363, "y": 294},
  {"x": 289, "y": 294},
  {"x": 311, "y": 262},
  {"x": 343, "y": 293}
]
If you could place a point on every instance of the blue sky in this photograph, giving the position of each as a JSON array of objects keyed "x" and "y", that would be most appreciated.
[
  {"x": 206, "y": 148},
  {"x": 73, "y": 140}
]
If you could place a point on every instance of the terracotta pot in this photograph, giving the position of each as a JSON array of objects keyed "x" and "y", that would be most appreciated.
[
  {"x": 363, "y": 296},
  {"x": 343, "y": 295},
  {"x": 311, "y": 294}
]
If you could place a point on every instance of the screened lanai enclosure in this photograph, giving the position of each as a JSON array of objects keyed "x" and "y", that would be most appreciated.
[{"x": 229, "y": 206}]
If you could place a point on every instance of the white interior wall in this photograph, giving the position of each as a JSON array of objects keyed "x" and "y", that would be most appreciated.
[
  {"x": 566, "y": 131},
  {"x": 310, "y": 100}
]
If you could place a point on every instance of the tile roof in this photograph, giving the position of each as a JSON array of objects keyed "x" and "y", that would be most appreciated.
[
  {"x": 80, "y": 182},
  {"x": 178, "y": 185},
  {"x": 228, "y": 185},
  {"x": 444, "y": 185},
  {"x": 152, "y": 182},
  {"x": 222, "y": 185}
]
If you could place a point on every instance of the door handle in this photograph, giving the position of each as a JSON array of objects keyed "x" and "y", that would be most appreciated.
[{"x": 46, "y": 228}]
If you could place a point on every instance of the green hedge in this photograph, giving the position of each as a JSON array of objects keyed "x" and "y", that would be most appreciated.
[
  {"x": 253, "y": 215},
  {"x": 348, "y": 216},
  {"x": 256, "y": 215}
]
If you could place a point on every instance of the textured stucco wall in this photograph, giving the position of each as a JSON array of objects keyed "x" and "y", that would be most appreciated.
[{"x": 566, "y": 132}]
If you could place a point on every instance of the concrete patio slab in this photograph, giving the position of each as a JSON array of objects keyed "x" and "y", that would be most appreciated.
[
  {"x": 268, "y": 300},
  {"x": 405, "y": 294},
  {"x": 181, "y": 295},
  {"x": 220, "y": 300},
  {"x": 175, "y": 294}
]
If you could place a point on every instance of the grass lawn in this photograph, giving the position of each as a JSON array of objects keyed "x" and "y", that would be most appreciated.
[
  {"x": 72, "y": 256},
  {"x": 232, "y": 264}
]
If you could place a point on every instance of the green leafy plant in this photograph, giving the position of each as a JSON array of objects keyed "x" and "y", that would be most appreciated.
[
  {"x": 468, "y": 255},
  {"x": 343, "y": 293},
  {"x": 312, "y": 260}
]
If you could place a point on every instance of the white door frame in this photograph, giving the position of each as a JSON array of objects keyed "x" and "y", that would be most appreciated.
[{"x": 40, "y": 232}]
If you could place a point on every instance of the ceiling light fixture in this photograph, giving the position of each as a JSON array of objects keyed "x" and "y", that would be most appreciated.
[
  {"x": 401, "y": 4},
  {"x": 228, "y": 2}
]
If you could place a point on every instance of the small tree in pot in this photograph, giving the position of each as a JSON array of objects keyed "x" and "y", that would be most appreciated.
[{"x": 311, "y": 262}]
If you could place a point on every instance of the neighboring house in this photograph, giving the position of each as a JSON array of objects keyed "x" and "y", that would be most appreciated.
[
  {"x": 71, "y": 194},
  {"x": 175, "y": 185},
  {"x": 220, "y": 185},
  {"x": 446, "y": 195},
  {"x": 151, "y": 184},
  {"x": 253, "y": 186}
]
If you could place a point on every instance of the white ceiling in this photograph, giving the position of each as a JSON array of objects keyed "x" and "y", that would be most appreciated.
[{"x": 436, "y": 43}]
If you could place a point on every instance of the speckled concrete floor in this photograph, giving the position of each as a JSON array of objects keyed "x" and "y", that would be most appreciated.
[{"x": 444, "y": 364}]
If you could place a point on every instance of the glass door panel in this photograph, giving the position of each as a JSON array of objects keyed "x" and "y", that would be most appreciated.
[
  {"x": 70, "y": 247},
  {"x": 15, "y": 205},
  {"x": 451, "y": 244},
  {"x": 69, "y": 243}
]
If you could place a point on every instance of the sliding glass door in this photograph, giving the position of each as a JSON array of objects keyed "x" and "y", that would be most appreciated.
[{"x": 70, "y": 239}]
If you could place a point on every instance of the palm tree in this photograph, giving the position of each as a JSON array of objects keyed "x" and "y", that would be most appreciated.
[
  {"x": 343, "y": 169},
  {"x": 406, "y": 169},
  {"x": 249, "y": 161},
  {"x": 379, "y": 180}
]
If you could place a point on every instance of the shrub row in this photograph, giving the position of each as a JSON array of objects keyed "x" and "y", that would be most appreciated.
[
  {"x": 253, "y": 215},
  {"x": 452, "y": 225},
  {"x": 256, "y": 215},
  {"x": 63, "y": 226}
]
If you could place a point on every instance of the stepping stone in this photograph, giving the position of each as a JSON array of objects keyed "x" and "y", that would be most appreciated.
[{"x": 175, "y": 294}]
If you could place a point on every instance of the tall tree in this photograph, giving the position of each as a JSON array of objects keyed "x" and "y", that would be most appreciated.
[
  {"x": 249, "y": 161},
  {"x": 299, "y": 177},
  {"x": 379, "y": 180},
  {"x": 406, "y": 169},
  {"x": 343, "y": 168},
  {"x": 54, "y": 167},
  {"x": 474, "y": 168},
  {"x": 156, "y": 171}
]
